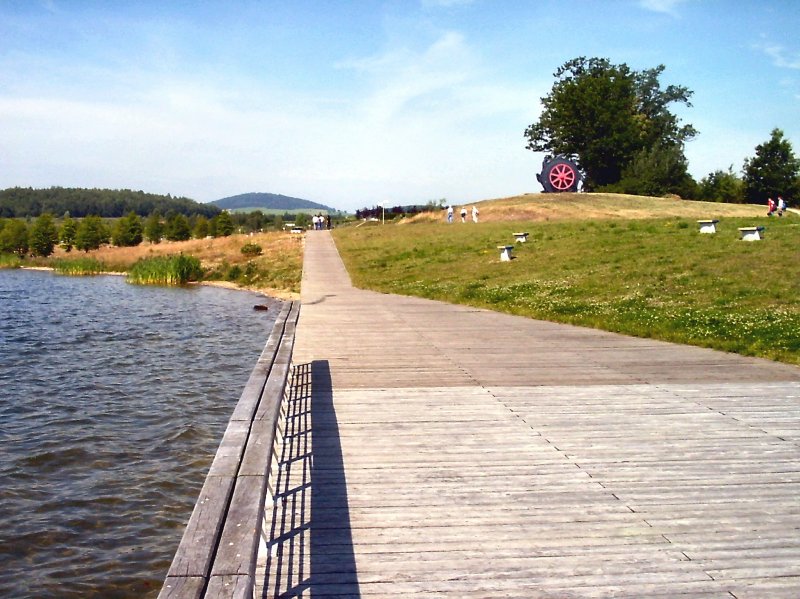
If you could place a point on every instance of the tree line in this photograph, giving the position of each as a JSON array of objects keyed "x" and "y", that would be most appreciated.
[
  {"x": 616, "y": 123},
  {"x": 40, "y": 237},
  {"x": 24, "y": 202}
]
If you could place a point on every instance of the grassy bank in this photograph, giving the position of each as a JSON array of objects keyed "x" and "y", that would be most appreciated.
[
  {"x": 646, "y": 276},
  {"x": 276, "y": 271}
]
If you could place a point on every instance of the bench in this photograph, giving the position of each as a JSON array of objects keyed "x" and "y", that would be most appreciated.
[
  {"x": 521, "y": 237},
  {"x": 708, "y": 226},
  {"x": 751, "y": 233},
  {"x": 505, "y": 252}
]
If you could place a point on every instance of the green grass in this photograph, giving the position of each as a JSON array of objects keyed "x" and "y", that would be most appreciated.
[
  {"x": 10, "y": 261},
  {"x": 165, "y": 270},
  {"x": 78, "y": 266},
  {"x": 655, "y": 278}
]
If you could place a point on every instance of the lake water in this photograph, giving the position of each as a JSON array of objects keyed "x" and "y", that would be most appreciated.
[{"x": 113, "y": 399}]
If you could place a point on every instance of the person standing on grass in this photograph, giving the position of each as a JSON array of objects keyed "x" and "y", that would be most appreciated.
[
  {"x": 781, "y": 205},
  {"x": 463, "y": 214},
  {"x": 449, "y": 214},
  {"x": 474, "y": 214},
  {"x": 770, "y": 206}
]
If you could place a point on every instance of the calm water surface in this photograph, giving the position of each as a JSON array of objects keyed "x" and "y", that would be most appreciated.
[{"x": 113, "y": 398}]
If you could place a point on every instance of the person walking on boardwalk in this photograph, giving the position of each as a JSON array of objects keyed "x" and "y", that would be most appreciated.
[{"x": 474, "y": 214}]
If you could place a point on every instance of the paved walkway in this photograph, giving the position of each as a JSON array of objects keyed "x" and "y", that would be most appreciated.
[{"x": 436, "y": 450}]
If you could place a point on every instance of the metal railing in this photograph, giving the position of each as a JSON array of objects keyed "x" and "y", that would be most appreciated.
[{"x": 218, "y": 552}]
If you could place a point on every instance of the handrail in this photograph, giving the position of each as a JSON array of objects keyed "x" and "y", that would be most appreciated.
[{"x": 217, "y": 554}]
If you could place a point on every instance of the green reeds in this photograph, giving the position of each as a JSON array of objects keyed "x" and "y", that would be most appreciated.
[
  {"x": 10, "y": 261},
  {"x": 79, "y": 266},
  {"x": 165, "y": 270}
]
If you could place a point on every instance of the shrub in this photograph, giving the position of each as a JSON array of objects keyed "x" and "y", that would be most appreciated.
[{"x": 251, "y": 249}]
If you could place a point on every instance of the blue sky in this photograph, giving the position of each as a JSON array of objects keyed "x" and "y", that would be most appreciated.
[{"x": 356, "y": 103}]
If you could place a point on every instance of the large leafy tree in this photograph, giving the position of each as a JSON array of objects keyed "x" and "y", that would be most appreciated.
[
  {"x": 43, "y": 236},
  {"x": 773, "y": 171},
  {"x": 605, "y": 115}
]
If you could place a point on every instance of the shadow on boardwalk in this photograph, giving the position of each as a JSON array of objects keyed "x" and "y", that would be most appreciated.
[{"x": 313, "y": 542}]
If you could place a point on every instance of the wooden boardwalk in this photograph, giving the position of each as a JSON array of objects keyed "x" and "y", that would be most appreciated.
[{"x": 434, "y": 450}]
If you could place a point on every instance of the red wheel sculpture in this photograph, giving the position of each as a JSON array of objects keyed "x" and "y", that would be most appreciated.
[
  {"x": 559, "y": 174},
  {"x": 562, "y": 177}
]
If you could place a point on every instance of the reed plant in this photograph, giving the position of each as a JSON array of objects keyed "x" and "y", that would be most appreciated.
[
  {"x": 165, "y": 270},
  {"x": 78, "y": 266}
]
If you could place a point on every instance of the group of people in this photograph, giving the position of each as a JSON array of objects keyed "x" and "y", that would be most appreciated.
[
  {"x": 779, "y": 207},
  {"x": 321, "y": 222},
  {"x": 451, "y": 211}
]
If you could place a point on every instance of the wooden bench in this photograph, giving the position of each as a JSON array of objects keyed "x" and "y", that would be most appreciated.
[
  {"x": 521, "y": 237},
  {"x": 751, "y": 233},
  {"x": 708, "y": 226},
  {"x": 217, "y": 554},
  {"x": 505, "y": 252}
]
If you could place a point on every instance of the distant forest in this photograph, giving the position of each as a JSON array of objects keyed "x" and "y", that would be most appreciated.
[{"x": 22, "y": 202}]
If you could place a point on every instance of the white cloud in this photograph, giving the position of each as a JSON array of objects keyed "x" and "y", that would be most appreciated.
[
  {"x": 423, "y": 123},
  {"x": 668, "y": 7},
  {"x": 781, "y": 57}
]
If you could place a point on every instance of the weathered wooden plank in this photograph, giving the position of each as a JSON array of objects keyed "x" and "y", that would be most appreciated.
[
  {"x": 194, "y": 553},
  {"x": 258, "y": 453},
  {"x": 238, "y": 544},
  {"x": 230, "y": 587},
  {"x": 182, "y": 587}
]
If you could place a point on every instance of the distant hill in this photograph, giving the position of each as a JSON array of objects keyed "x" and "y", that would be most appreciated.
[{"x": 268, "y": 201}]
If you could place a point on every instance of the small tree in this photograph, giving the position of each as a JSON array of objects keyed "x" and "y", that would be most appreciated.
[
  {"x": 224, "y": 224},
  {"x": 302, "y": 220},
  {"x": 200, "y": 227},
  {"x": 67, "y": 233},
  {"x": 153, "y": 228},
  {"x": 177, "y": 228},
  {"x": 91, "y": 234},
  {"x": 657, "y": 171},
  {"x": 43, "y": 236},
  {"x": 773, "y": 171},
  {"x": 722, "y": 186},
  {"x": 128, "y": 231},
  {"x": 14, "y": 238}
]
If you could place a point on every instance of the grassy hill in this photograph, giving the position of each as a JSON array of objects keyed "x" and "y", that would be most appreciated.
[
  {"x": 629, "y": 264},
  {"x": 269, "y": 203},
  {"x": 570, "y": 206}
]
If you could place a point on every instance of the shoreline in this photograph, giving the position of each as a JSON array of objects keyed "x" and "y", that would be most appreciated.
[{"x": 277, "y": 294}]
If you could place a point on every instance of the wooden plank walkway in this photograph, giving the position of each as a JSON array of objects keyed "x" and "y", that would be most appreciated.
[{"x": 434, "y": 450}]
